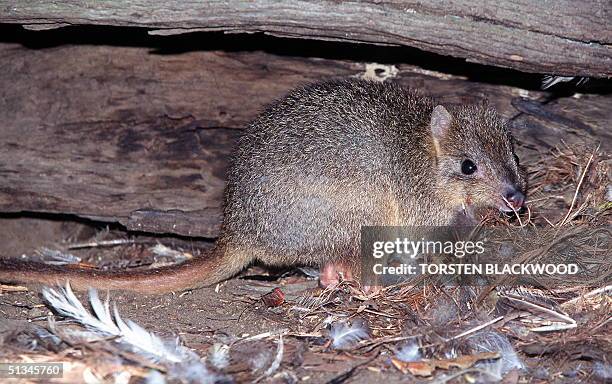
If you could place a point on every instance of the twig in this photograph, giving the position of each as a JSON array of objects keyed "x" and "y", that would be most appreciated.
[
  {"x": 577, "y": 189},
  {"x": 549, "y": 223},
  {"x": 383, "y": 314},
  {"x": 556, "y": 314},
  {"x": 514, "y": 210},
  {"x": 348, "y": 374},
  {"x": 602, "y": 324},
  {"x": 463, "y": 372},
  {"x": 12, "y": 288},
  {"x": 588, "y": 294},
  {"x": 103, "y": 243},
  {"x": 264, "y": 335},
  {"x": 554, "y": 327},
  {"x": 385, "y": 340},
  {"x": 475, "y": 329}
]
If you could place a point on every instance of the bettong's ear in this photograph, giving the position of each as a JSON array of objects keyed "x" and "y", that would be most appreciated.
[{"x": 441, "y": 122}]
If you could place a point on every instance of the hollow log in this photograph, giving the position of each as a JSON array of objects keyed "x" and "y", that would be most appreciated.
[{"x": 558, "y": 37}]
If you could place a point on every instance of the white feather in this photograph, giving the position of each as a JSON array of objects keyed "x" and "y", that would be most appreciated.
[
  {"x": 155, "y": 377},
  {"x": 408, "y": 352},
  {"x": 102, "y": 311},
  {"x": 260, "y": 361},
  {"x": 343, "y": 334},
  {"x": 193, "y": 373},
  {"x": 101, "y": 322},
  {"x": 603, "y": 371},
  {"x": 64, "y": 302},
  {"x": 550, "y": 80},
  {"x": 278, "y": 359},
  {"x": 493, "y": 341},
  {"x": 54, "y": 257},
  {"x": 182, "y": 363},
  {"x": 219, "y": 356}
]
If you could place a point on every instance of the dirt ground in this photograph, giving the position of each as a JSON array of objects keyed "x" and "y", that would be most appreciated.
[{"x": 234, "y": 311}]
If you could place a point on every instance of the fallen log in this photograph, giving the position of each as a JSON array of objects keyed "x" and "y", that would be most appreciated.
[{"x": 528, "y": 35}]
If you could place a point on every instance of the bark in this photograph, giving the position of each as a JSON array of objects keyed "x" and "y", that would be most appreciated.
[{"x": 558, "y": 37}]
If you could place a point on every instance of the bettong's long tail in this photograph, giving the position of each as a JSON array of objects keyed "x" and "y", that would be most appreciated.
[{"x": 202, "y": 271}]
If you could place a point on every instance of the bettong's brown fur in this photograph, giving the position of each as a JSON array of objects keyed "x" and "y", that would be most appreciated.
[{"x": 320, "y": 163}]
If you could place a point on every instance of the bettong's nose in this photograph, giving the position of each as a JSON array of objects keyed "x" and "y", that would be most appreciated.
[{"x": 515, "y": 198}]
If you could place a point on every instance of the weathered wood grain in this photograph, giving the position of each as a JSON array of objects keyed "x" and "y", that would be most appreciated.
[
  {"x": 120, "y": 134},
  {"x": 117, "y": 134},
  {"x": 559, "y": 37}
]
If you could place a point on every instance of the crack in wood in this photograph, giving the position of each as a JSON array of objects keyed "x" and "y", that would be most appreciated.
[{"x": 561, "y": 39}]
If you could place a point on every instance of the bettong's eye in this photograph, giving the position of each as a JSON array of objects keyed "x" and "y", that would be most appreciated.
[
  {"x": 516, "y": 159},
  {"x": 468, "y": 167}
]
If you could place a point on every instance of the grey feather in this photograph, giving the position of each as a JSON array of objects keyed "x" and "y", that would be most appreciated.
[{"x": 344, "y": 335}]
